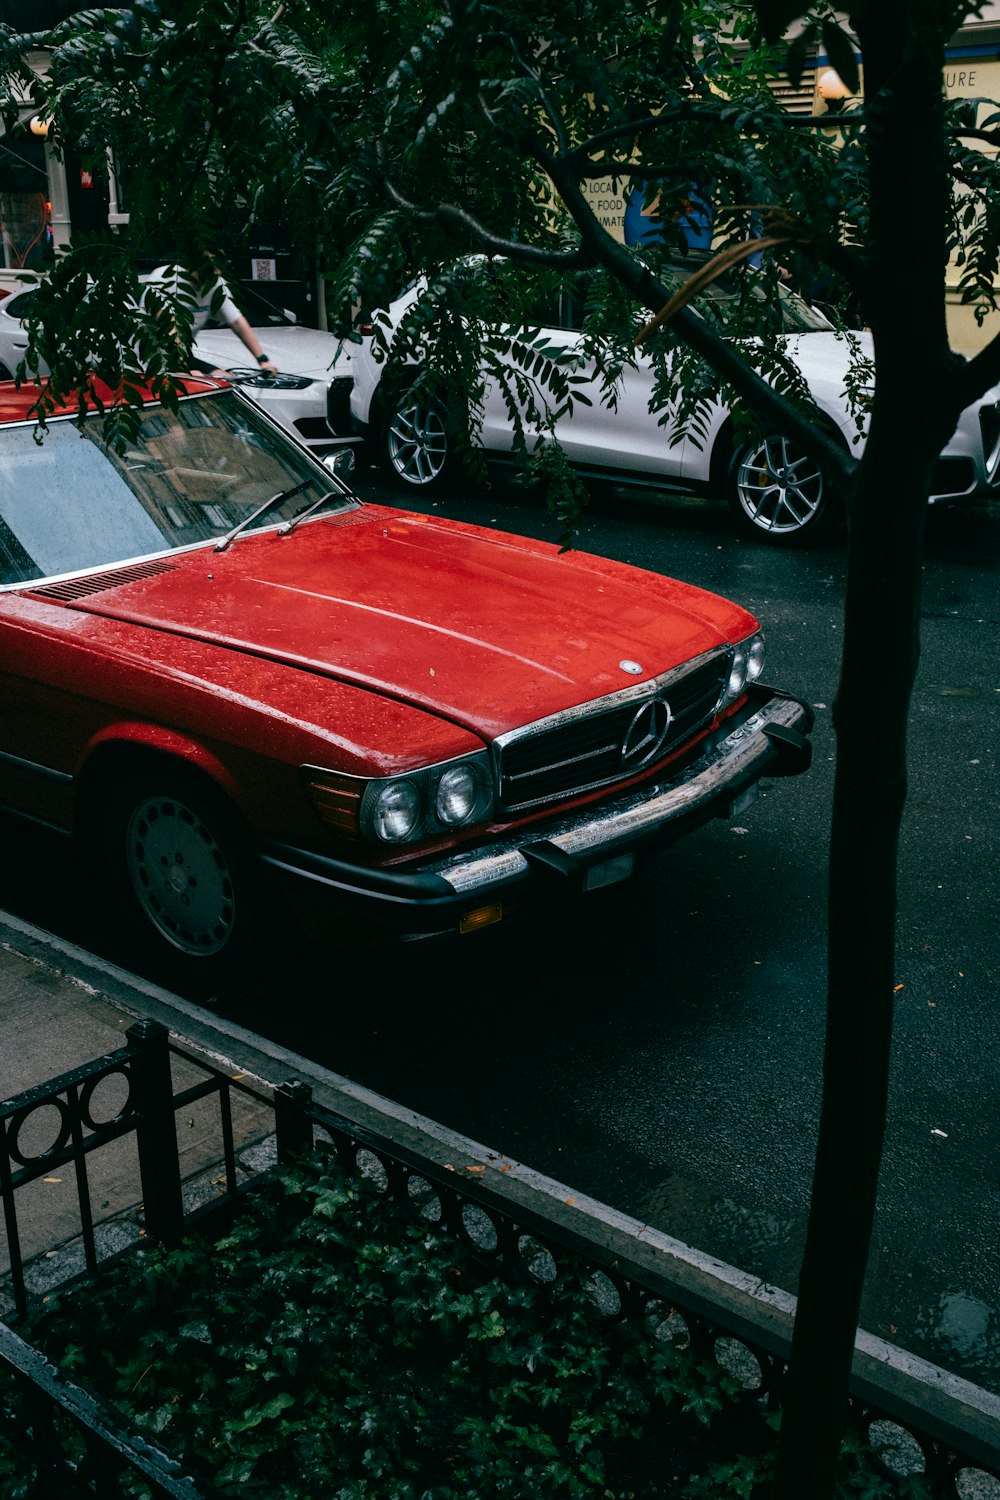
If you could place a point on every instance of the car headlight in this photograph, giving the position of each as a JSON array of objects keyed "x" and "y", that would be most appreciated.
[
  {"x": 457, "y": 795},
  {"x": 745, "y": 667},
  {"x": 402, "y": 809},
  {"x": 395, "y": 811},
  {"x": 755, "y": 657}
]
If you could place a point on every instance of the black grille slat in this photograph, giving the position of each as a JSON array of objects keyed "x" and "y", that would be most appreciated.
[
  {"x": 584, "y": 753},
  {"x": 81, "y": 588},
  {"x": 338, "y": 405},
  {"x": 586, "y": 758}
]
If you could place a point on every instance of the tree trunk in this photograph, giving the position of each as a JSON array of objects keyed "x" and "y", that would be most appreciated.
[
  {"x": 910, "y": 424},
  {"x": 879, "y": 662}
]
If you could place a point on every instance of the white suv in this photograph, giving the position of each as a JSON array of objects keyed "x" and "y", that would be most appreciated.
[{"x": 779, "y": 494}]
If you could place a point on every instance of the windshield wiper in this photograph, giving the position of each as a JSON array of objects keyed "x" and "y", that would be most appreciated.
[
  {"x": 340, "y": 489},
  {"x": 230, "y": 536},
  {"x": 287, "y": 526}
]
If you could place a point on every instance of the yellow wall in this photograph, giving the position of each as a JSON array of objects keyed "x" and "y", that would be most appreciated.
[
  {"x": 972, "y": 77},
  {"x": 965, "y": 78}
]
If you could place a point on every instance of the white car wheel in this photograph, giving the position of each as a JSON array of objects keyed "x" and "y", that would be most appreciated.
[
  {"x": 779, "y": 492},
  {"x": 415, "y": 442}
]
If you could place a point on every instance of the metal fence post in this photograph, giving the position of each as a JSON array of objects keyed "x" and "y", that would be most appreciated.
[
  {"x": 156, "y": 1131},
  {"x": 293, "y": 1129}
]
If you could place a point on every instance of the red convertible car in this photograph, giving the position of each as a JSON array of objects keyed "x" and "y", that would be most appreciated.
[{"x": 222, "y": 672}]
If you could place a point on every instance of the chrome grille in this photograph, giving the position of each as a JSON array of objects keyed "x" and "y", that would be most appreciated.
[
  {"x": 576, "y": 753},
  {"x": 338, "y": 405}
]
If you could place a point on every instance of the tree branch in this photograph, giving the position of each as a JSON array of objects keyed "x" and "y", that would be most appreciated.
[
  {"x": 989, "y": 137},
  {"x": 723, "y": 115},
  {"x": 450, "y": 213},
  {"x": 548, "y": 109},
  {"x": 597, "y": 247},
  {"x": 718, "y": 353},
  {"x": 232, "y": 32}
]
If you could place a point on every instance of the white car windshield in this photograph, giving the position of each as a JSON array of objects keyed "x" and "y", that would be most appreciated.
[
  {"x": 72, "y": 503},
  {"x": 565, "y": 306}
]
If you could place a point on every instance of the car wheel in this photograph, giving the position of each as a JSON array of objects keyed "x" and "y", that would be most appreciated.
[
  {"x": 779, "y": 493},
  {"x": 415, "y": 443},
  {"x": 180, "y": 861}
]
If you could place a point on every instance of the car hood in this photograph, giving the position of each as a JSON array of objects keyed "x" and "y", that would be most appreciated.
[
  {"x": 484, "y": 630},
  {"x": 295, "y": 350},
  {"x": 827, "y": 356}
]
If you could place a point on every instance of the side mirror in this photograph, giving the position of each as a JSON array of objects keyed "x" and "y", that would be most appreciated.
[{"x": 341, "y": 464}]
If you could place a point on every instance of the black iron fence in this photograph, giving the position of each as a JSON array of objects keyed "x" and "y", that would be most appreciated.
[{"x": 922, "y": 1420}]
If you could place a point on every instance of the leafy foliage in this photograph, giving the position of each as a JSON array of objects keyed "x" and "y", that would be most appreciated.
[
  {"x": 329, "y": 1345},
  {"x": 399, "y": 137}
]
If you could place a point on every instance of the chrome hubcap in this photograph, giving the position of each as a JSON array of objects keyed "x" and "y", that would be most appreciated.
[
  {"x": 417, "y": 442},
  {"x": 779, "y": 488},
  {"x": 181, "y": 876}
]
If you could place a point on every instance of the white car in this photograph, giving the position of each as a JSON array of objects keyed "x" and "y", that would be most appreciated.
[
  {"x": 310, "y": 395},
  {"x": 14, "y": 309},
  {"x": 779, "y": 493}
]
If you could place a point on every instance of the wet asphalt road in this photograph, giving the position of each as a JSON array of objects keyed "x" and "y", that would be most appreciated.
[{"x": 660, "y": 1047}]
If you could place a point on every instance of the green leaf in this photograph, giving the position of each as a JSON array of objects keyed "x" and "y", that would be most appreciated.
[
  {"x": 775, "y": 16},
  {"x": 840, "y": 50},
  {"x": 798, "y": 57}
]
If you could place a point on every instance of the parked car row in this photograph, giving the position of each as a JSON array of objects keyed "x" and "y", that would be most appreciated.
[
  {"x": 310, "y": 395},
  {"x": 223, "y": 675},
  {"x": 327, "y": 394}
]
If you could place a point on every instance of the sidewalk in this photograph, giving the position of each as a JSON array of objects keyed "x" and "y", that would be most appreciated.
[
  {"x": 53, "y": 1018},
  {"x": 62, "y": 1007}
]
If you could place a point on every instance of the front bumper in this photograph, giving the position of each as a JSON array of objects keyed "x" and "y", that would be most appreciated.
[{"x": 576, "y": 851}]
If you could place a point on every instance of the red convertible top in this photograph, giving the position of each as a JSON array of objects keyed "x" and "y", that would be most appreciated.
[{"x": 16, "y": 402}]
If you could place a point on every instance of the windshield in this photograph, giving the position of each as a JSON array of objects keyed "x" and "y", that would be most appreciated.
[
  {"x": 568, "y": 302},
  {"x": 72, "y": 504},
  {"x": 797, "y": 315}
]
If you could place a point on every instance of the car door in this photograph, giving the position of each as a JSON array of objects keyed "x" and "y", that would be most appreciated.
[{"x": 624, "y": 436}]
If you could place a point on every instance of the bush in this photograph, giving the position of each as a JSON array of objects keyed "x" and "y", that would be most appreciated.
[{"x": 328, "y": 1346}]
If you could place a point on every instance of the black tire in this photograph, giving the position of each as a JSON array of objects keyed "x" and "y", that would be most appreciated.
[
  {"x": 180, "y": 862},
  {"x": 779, "y": 494},
  {"x": 414, "y": 442}
]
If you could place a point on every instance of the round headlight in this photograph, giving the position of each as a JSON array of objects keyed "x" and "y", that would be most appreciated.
[
  {"x": 396, "y": 811},
  {"x": 457, "y": 795},
  {"x": 755, "y": 658},
  {"x": 737, "y": 673}
]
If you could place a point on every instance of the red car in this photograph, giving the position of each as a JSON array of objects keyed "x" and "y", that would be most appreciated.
[{"x": 223, "y": 672}]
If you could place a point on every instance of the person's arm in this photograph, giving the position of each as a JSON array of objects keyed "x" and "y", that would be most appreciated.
[
  {"x": 242, "y": 329},
  {"x": 231, "y": 315}
]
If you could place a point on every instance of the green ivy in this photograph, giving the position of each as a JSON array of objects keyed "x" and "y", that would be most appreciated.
[{"x": 328, "y": 1345}]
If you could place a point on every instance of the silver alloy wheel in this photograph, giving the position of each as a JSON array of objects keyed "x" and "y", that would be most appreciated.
[
  {"x": 181, "y": 876},
  {"x": 416, "y": 442},
  {"x": 778, "y": 487}
]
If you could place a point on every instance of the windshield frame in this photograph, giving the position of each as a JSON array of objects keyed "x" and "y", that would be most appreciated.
[{"x": 305, "y": 466}]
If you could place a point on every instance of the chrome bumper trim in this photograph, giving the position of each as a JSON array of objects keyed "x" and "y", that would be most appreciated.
[{"x": 726, "y": 768}]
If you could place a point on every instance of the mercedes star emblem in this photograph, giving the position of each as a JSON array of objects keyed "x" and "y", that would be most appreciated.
[{"x": 646, "y": 734}]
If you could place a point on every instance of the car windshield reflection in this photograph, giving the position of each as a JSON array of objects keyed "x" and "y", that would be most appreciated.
[{"x": 72, "y": 504}]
